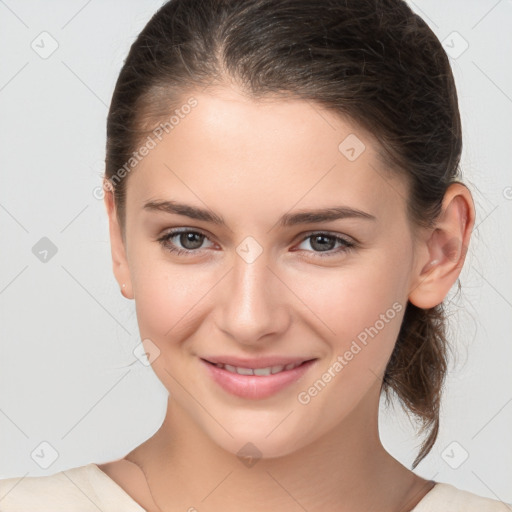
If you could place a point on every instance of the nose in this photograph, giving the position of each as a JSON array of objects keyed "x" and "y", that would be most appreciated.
[{"x": 252, "y": 302}]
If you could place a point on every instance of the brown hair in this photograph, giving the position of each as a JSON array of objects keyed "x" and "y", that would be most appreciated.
[{"x": 373, "y": 61}]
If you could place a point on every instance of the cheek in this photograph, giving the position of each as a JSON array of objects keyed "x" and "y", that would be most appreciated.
[
  {"x": 360, "y": 308},
  {"x": 340, "y": 304},
  {"x": 363, "y": 309},
  {"x": 167, "y": 298},
  {"x": 350, "y": 299}
]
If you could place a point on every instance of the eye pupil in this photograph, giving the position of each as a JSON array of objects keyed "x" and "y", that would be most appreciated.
[
  {"x": 195, "y": 238},
  {"x": 191, "y": 241},
  {"x": 323, "y": 246}
]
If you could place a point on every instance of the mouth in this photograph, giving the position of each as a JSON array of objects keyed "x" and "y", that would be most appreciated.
[
  {"x": 254, "y": 381},
  {"x": 262, "y": 371}
]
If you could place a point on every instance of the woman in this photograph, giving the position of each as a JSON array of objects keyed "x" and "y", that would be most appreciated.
[{"x": 284, "y": 209}]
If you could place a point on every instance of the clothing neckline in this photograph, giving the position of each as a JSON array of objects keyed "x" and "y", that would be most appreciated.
[
  {"x": 118, "y": 489},
  {"x": 434, "y": 490}
]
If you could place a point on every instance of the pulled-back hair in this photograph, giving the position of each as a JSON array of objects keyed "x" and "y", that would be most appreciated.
[{"x": 374, "y": 62}]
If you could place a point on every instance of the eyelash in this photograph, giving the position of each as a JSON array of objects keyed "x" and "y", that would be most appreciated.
[{"x": 164, "y": 241}]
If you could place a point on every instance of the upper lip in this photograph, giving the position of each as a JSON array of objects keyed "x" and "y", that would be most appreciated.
[{"x": 260, "y": 362}]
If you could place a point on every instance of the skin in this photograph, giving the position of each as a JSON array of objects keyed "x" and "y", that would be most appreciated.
[{"x": 250, "y": 162}]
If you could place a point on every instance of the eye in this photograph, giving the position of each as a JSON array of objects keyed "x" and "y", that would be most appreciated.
[
  {"x": 324, "y": 243},
  {"x": 190, "y": 241}
]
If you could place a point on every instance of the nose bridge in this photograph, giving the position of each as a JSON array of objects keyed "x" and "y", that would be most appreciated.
[
  {"x": 250, "y": 307},
  {"x": 250, "y": 281}
]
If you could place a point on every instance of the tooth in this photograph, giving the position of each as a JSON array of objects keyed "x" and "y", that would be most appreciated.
[
  {"x": 244, "y": 371},
  {"x": 257, "y": 371},
  {"x": 262, "y": 371}
]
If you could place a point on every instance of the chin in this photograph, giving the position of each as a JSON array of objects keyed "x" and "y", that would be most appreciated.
[
  {"x": 271, "y": 437},
  {"x": 251, "y": 447}
]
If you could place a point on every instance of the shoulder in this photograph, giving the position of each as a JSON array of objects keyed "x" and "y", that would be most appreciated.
[
  {"x": 128, "y": 475},
  {"x": 84, "y": 488},
  {"x": 50, "y": 492},
  {"x": 448, "y": 498}
]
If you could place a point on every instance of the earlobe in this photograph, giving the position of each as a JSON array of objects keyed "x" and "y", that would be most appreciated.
[
  {"x": 446, "y": 249},
  {"x": 117, "y": 245}
]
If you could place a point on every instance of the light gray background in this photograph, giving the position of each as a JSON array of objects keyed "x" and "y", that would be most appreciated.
[{"x": 68, "y": 376}]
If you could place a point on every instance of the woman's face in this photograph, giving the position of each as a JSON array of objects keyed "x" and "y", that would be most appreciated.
[{"x": 257, "y": 286}]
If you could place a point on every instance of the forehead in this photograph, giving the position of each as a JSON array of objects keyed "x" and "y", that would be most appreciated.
[{"x": 274, "y": 152}]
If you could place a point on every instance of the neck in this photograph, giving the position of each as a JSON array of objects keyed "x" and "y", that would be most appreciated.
[{"x": 346, "y": 469}]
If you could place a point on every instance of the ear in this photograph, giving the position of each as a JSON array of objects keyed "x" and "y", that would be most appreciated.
[
  {"x": 117, "y": 244},
  {"x": 443, "y": 249}
]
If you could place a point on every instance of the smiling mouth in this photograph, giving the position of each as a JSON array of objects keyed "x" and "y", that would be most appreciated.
[
  {"x": 252, "y": 381},
  {"x": 269, "y": 370}
]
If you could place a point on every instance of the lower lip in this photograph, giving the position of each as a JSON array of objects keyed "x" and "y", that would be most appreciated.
[{"x": 255, "y": 387}]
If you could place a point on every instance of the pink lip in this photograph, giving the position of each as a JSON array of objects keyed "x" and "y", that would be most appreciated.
[{"x": 255, "y": 387}]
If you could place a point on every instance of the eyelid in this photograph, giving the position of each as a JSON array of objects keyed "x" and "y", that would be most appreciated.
[
  {"x": 301, "y": 237},
  {"x": 348, "y": 243},
  {"x": 334, "y": 234},
  {"x": 184, "y": 229},
  {"x": 172, "y": 232}
]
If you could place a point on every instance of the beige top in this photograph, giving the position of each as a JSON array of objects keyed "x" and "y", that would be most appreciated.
[{"x": 88, "y": 489}]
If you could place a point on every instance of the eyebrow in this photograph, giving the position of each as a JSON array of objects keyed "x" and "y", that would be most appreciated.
[{"x": 286, "y": 220}]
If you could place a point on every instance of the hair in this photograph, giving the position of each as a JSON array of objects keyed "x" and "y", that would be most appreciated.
[{"x": 374, "y": 62}]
